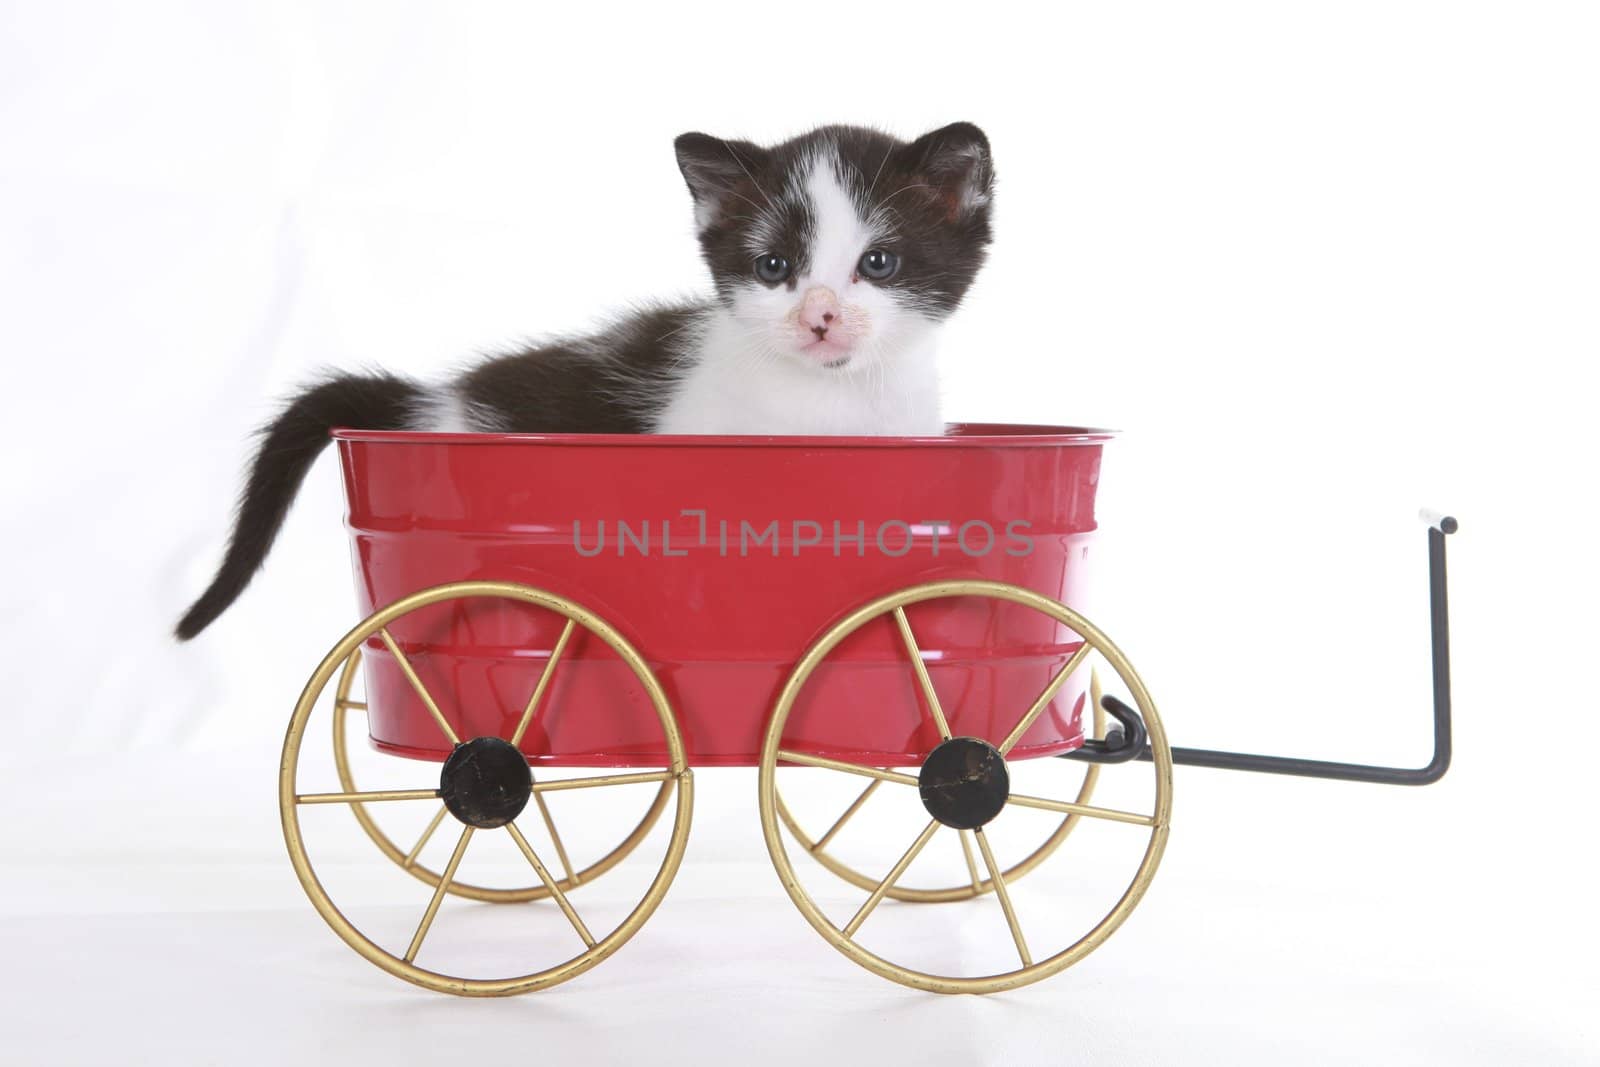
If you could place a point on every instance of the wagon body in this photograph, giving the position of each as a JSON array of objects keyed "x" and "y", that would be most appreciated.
[{"x": 721, "y": 559}]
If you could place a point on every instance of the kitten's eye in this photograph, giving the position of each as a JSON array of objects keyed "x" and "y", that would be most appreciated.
[
  {"x": 878, "y": 265},
  {"x": 772, "y": 268}
]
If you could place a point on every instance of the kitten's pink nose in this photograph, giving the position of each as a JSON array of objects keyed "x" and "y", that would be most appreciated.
[{"x": 818, "y": 310}]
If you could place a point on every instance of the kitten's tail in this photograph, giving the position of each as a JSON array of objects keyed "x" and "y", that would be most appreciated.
[{"x": 289, "y": 443}]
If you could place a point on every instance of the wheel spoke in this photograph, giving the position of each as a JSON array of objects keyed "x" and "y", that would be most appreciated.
[
  {"x": 889, "y": 879},
  {"x": 802, "y": 758},
  {"x": 922, "y": 673},
  {"x": 550, "y": 884},
  {"x": 416, "y": 849},
  {"x": 1045, "y": 697},
  {"x": 854, "y": 807},
  {"x": 544, "y": 682},
  {"x": 555, "y": 839},
  {"x": 416, "y": 684},
  {"x": 1005, "y": 897},
  {"x": 557, "y": 784},
  {"x": 368, "y": 797},
  {"x": 972, "y": 867},
  {"x": 1069, "y": 808},
  {"x": 439, "y": 892}
]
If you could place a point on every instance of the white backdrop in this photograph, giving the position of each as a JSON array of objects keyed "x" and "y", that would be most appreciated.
[{"x": 1321, "y": 263}]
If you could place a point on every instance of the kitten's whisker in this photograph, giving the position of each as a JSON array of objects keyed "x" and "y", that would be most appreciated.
[
  {"x": 904, "y": 189},
  {"x": 735, "y": 157},
  {"x": 876, "y": 175}
]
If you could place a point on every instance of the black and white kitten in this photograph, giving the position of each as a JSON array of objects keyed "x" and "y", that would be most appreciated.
[{"x": 836, "y": 257}]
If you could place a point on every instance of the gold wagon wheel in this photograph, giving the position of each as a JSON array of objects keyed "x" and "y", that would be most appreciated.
[
  {"x": 484, "y": 784},
  {"x": 409, "y": 862},
  {"x": 964, "y": 783},
  {"x": 976, "y": 885}
]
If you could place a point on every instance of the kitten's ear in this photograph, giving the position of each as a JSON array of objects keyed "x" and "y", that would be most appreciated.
[
  {"x": 713, "y": 168},
  {"x": 955, "y": 160}
]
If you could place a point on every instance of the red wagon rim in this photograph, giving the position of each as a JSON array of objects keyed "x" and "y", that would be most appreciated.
[{"x": 959, "y": 435}]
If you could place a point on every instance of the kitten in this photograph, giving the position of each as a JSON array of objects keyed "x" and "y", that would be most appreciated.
[{"x": 835, "y": 256}]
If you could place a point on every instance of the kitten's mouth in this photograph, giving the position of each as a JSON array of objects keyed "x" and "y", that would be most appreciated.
[{"x": 830, "y": 354}]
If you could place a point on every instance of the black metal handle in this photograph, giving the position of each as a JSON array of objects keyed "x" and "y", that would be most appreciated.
[
  {"x": 1123, "y": 744},
  {"x": 1445, "y": 524}
]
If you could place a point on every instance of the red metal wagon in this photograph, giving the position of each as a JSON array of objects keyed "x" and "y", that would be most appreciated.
[{"x": 890, "y": 609}]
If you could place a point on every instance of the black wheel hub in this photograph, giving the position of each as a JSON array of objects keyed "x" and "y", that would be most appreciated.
[
  {"x": 486, "y": 782},
  {"x": 964, "y": 782}
]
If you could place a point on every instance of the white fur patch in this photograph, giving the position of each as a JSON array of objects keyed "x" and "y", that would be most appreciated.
[
  {"x": 734, "y": 390},
  {"x": 706, "y": 211},
  {"x": 840, "y": 235},
  {"x": 441, "y": 410}
]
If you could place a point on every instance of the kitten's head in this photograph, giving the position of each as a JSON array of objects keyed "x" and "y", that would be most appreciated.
[{"x": 843, "y": 245}]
